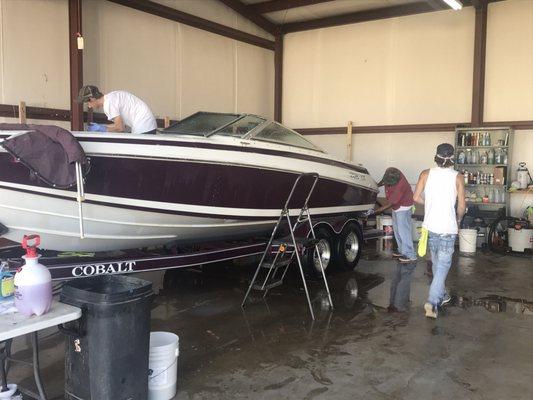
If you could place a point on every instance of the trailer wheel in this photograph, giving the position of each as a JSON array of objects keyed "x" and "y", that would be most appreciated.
[
  {"x": 326, "y": 250},
  {"x": 349, "y": 246}
]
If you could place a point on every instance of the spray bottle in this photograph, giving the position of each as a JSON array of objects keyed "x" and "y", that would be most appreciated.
[
  {"x": 522, "y": 175},
  {"x": 33, "y": 282}
]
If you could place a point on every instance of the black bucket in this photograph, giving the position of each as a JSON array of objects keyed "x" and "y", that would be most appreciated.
[{"x": 106, "y": 355}]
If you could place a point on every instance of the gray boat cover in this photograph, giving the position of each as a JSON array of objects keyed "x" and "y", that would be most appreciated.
[{"x": 49, "y": 151}]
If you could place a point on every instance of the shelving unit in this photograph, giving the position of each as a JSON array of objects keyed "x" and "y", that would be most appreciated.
[{"x": 481, "y": 146}]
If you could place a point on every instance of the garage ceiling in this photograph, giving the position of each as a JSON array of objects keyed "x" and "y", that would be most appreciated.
[{"x": 323, "y": 8}]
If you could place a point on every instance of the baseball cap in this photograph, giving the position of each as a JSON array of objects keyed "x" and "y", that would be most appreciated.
[
  {"x": 87, "y": 92},
  {"x": 391, "y": 177},
  {"x": 445, "y": 150}
]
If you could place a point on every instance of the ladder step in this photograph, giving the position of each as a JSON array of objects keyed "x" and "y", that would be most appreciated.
[
  {"x": 301, "y": 241},
  {"x": 269, "y": 286},
  {"x": 278, "y": 264}
]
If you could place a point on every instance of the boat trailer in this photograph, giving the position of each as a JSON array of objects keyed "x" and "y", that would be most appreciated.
[{"x": 72, "y": 265}]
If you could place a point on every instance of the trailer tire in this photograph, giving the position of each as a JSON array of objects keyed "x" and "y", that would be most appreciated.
[
  {"x": 326, "y": 246},
  {"x": 348, "y": 249}
]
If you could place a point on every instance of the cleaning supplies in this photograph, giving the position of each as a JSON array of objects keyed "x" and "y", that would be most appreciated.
[
  {"x": 6, "y": 282},
  {"x": 33, "y": 282}
]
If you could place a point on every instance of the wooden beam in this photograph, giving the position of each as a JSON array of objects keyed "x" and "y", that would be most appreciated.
[
  {"x": 22, "y": 112},
  {"x": 172, "y": 14},
  {"x": 76, "y": 63},
  {"x": 252, "y": 15},
  {"x": 279, "y": 5},
  {"x": 480, "y": 49},
  {"x": 278, "y": 78}
]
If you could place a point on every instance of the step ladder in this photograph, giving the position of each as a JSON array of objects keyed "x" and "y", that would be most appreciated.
[{"x": 280, "y": 252}]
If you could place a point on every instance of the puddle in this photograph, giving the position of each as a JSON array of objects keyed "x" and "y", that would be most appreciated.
[{"x": 498, "y": 304}]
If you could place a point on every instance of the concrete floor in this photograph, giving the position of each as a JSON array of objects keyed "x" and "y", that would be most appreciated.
[{"x": 480, "y": 347}]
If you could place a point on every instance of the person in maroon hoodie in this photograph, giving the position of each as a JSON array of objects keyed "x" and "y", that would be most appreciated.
[{"x": 400, "y": 197}]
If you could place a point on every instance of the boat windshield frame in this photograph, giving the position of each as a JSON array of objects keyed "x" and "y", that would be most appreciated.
[{"x": 200, "y": 133}]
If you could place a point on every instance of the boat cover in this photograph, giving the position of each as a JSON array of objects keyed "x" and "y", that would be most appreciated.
[{"x": 49, "y": 151}]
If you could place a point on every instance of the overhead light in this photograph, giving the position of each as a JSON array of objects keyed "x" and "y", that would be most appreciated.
[{"x": 455, "y": 4}]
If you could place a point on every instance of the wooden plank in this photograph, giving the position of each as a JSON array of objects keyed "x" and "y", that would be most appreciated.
[
  {"x": 252, "y": 15},
  {"x": 22, "y": 112},
  {"x": 480, "y": 50},
  {"x": 172, "y": 14},
  {"x": 279, "y": 5},
  {"x": 278, "y": 78},
  {"x": 349, "y": 141}
]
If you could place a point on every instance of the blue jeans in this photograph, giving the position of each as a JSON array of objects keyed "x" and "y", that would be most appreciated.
[
  {"x": 400, "y": 286},
  {"x": 441, "y": 247},
  {"x": 401, "y": 223}
]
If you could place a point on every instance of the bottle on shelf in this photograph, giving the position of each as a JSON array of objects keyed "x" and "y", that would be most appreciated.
[
  {"x": 461, "y": 157},
  {"x": 468, "y": 156},
  {"x": 490, "y": 156},
  {"x": 483, "y": 158}
]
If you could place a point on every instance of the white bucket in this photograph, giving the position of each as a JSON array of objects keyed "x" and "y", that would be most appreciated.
[
  {"x": 416, "y": 229},
  {"x": 384, "y": 223},
  {"x": 11, "y": 389},
  {"x": 520, "y": 239},
  {"x": 467, "y": 240},
  {"x": 163, "y": 365}
]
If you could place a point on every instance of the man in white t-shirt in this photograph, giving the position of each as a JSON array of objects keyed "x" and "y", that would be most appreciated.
[{"x": 120, "y": 107}]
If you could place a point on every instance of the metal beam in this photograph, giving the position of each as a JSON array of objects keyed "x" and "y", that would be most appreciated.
[
  {"x": 384, "y": 129},
  {"x": 252, "y": 15},
  {"x": 278, "y": 78},
  {"x": 172, "y": 14},
  {"x": 76, "y": 63},
  {"x": 363, "y": 16},
  {"x": 480, "y": 48},
  {"x": 279, "y": 5}
]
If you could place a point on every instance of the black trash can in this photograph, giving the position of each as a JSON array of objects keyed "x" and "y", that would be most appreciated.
[{"x": 106, "y": 355}]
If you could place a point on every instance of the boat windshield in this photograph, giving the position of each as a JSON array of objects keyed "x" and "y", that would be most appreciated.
[
  {"x": 241, "y": 127},
  {"x": 277, "y": 133},
  {"x": 201, "y": 123}
]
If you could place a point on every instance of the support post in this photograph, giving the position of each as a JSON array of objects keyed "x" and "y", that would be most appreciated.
[
  {"x": 349, "y": 141},
  {"x": 76, "y": 63},
  {"x": 480, "y": 47},
  {"x": 22, "y": 112},
  {"x": 278, "y": 77}
]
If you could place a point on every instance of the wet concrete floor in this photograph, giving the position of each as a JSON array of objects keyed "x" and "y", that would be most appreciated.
[{"x": 480, "y": 347}]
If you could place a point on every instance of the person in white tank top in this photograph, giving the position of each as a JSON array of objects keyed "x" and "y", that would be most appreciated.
[{"x": 442, "y": 188}]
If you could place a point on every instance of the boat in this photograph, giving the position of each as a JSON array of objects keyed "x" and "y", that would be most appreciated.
[{"x": 211, "y": 176}]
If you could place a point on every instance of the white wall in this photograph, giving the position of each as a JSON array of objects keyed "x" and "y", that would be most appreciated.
[
  {"x": 175, "y": 68},
  {"x": 34, "y": 64},
  {"x": 415, "y": 69}
]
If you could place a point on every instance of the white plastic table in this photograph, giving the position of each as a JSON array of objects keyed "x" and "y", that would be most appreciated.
[{"x": 16, "y": 324}]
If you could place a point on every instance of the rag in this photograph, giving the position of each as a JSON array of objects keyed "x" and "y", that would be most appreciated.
[
  {"x": 423, "y": 242},
  {"x": 94, "y": 127},
  {"x": 370, "y": 212}
]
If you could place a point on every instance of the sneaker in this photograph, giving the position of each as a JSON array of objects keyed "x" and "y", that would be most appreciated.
[
  {"x": 396, "y": 255},
  {"x": 431, "y": 310},
  {"x": 406, "y": 260},
  {"x": 446, "y": 299}
]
